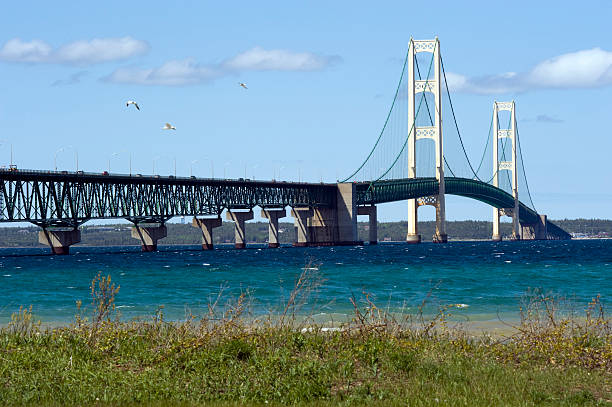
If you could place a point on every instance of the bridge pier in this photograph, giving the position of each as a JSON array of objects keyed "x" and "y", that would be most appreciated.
[
  {"x": 331, "y": 226},
  {"x": 413, "y": 236},
  {"x": 373, "y": 223},
  {"x": 59, "y": 239},
  {"x": 440, "y": 235},
  {"x": 273, "y": 215},
  {"x": 149, "y": 234},
  {"x": 496, "y": 235},
  {"x": 239, "y": 218},
  {"x": 206, "y": 226},
  {"x": 535, "y": 231},
  {"x": 301, "y": 216}
]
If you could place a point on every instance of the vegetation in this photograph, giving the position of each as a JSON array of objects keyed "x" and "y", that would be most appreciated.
[
  {"x": 228, "y": 357},
  {"x": 119, "y": 234}
]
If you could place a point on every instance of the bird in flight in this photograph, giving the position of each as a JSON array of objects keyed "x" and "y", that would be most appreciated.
[
  {"x": 131, "y": 102},
  {"x": 168, "y": 126},
  {"x": 243, "y": 85}
]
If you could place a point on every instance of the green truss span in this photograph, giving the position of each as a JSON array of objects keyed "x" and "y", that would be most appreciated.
[{"x": 401, "y": 189}]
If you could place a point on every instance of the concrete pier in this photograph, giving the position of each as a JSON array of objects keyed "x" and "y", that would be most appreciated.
[
  {"x": 149, "y": 234},
  {"x": 330, "y": 226},
  {"x": 302, "y": 231},
  {"x": 346, "y": 208},
  {"x": 373, "y": 223},
  {"x": 59, "y": 239},
  {"x": 496, "y": 237},
  {"x": 273, "y": 215},
  {"x": 535, "y": 231},
  {"x": 440, "y": 235},
  {"x": 206, "y": 226},
  {"x": 239, "y": 218}
]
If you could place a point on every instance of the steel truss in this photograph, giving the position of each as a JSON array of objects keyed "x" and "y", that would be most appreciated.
[{"x": 65, "y": 199}]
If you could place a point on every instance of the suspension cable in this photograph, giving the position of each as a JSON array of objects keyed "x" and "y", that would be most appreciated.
[
  {"x": 386, "y": 120},
  {"x": 486, "y": 145},
  {"x": 426, "y": 104},
  {"x": 431, "y": 119},
  {"x": 413, "y": 124},
  {"x": 518, "y": 141},
  {"x": 455, "y": 119}
]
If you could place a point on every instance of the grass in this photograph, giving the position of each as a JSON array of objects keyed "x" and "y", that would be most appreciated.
[{"x": 230, "y": 359}]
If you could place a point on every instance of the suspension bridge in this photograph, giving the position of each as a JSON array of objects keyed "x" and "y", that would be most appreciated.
[{"x": 418, "y": 156}]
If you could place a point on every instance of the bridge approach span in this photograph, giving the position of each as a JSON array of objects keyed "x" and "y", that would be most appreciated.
[{"x": 68, "y": 199}]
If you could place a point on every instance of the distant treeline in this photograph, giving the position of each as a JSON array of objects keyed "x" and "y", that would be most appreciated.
[{"x": 119, "y": 234}]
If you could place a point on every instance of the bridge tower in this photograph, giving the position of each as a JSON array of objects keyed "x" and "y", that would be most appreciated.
[
  {"x": 510, "y": 134},
  {"x": 434, "y": 86}
]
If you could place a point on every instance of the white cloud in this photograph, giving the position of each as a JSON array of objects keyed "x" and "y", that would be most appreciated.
[
  {"x": 83, "y": 52},
  {"x": 189, "y": 72},
  {"x": 259, "y": 59},
  {"x": 172, "y": 73},
  {"x": 16, "y": 50},
  {"x": 72, "y": 80},
  {"x": 582, "y": 69},
  {"x": 543, "y": 118}
]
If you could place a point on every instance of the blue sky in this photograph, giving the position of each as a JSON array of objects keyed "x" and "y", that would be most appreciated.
[{"x": 321, "y": 76}]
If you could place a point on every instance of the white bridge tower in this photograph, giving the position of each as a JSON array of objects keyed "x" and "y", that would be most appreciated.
[
  {"x": 432, "y": 85},
  {"x": 498, "y": 136}
]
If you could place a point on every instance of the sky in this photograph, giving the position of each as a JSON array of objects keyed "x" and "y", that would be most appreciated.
[{"x": 321, "y": 76}]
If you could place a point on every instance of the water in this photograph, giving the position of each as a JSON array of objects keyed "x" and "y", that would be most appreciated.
[{"x": 490, "y": 278}]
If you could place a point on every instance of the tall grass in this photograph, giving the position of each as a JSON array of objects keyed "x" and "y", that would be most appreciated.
[{"x": 378, "y": 357}]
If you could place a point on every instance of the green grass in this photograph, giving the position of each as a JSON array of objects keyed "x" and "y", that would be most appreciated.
[
  {"x": 229, "y": 360},
  {"x": 139, "y": 363}
]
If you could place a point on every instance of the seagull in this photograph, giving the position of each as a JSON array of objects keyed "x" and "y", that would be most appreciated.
[
  {"x": 131, "y": 102},
  {"x": 168, "y": 126},
  {"x": 243, "y": 85}
]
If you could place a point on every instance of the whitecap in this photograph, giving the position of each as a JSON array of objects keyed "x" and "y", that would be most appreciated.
[
  {"x": 206, "y": 264},
  {"x": 18, "y": 267},
  {"x": 507, "y": 261},
  {"x": 421, "y": 257},
  {"x": 70, "y": 286},
  {"x": 6, "y": 275},
  {"x": 340, "y": 263},
  {"x": 125, "y": 306},
  {"x": 166, "y": 267}
]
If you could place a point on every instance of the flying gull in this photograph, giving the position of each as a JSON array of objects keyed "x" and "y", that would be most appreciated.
[
  {"x": 131, "y": 102},
  {"x": 168, "y": 126}
]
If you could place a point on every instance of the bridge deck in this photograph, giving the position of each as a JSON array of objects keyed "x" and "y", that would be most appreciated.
[{"x": 51, "y": 198}]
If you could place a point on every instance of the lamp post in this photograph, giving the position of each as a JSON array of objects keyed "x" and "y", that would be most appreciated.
[
  {"x": 11, "y": 145},
  {"x": 117, "y": 153},
  {"x": 191, "y": 167},
  {"x": 109, "y": 160},
  {"x": 62, "y": 149},
  {"x": 155, "y": 159}
]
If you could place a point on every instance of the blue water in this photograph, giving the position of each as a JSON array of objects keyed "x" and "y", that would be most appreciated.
[{"x": 490, "y": 278}]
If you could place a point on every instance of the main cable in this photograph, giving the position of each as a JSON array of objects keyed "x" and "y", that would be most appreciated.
[
  {"x": 455, "y": 119},
  {"x": 387, "y": 119}
]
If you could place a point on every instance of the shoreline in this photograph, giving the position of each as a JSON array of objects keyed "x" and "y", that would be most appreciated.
[{"x": 285, "y": 245}]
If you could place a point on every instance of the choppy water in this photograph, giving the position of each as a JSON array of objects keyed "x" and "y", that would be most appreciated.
[{"x": 489, "y": 277}]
